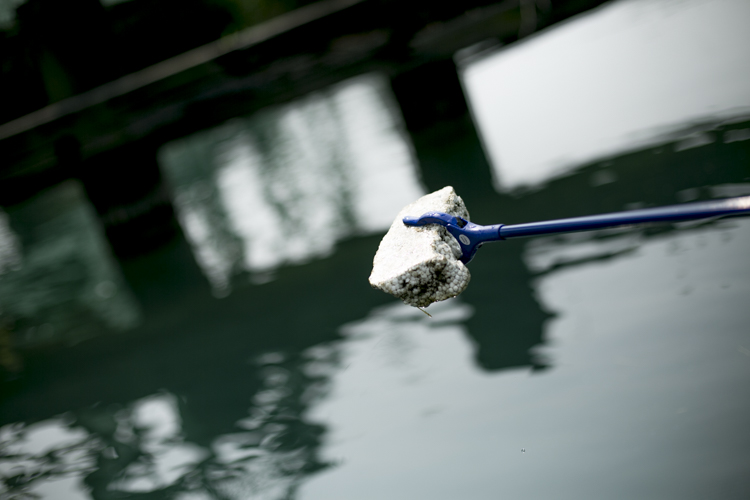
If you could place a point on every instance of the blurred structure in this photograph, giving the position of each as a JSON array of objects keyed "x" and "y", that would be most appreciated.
[
  {"x": 118, "y": 95},
  {"x": 58, "y": 272},
  {"x": 629, "y": 76},
  {"x": 286, "y": 184},
  {"x": 96, "y": 95}
]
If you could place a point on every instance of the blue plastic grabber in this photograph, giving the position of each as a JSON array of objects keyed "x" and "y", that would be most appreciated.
[{"x": 471, "y": 236}]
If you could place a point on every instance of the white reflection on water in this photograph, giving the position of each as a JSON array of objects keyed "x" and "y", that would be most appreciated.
[
  {"x": 53, "y": 451},
  {"x": 10, "y": 247},
  {"x": 166, "y": 456},
  {"x": 619, "y": 78},
  {"x": 284, "y": 185},
  {"x": 239, "y": 465},
  {"x": 651, "y": 360},
  {"x": 257, "y": 461}
]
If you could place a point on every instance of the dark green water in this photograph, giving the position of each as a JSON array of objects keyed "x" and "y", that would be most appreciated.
[{"x": 608, "y": 364}]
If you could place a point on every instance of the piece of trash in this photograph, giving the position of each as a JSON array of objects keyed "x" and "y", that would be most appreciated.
[{"x": 420, "y": 265}]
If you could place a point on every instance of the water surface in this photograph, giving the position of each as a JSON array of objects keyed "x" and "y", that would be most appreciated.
[{"x": 228, "y": 365}]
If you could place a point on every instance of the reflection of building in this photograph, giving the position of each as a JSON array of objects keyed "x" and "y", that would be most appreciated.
[
  {"x": 150, "y": 446},
  {"x": 283, "y": 186},
  {"x": 58, "y": 279},
  {"x": 109, "y": 135}
]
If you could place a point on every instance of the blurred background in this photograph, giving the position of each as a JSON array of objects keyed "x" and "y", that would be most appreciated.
[{"x": 192, "y": 192}]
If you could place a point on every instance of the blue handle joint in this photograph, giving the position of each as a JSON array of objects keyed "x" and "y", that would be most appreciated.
[{"x": 469, "y": 236}]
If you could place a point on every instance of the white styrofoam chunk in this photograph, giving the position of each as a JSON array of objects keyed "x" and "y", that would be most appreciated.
[{"x": 420, "y": 265}]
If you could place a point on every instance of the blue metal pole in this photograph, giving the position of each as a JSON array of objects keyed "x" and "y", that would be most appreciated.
[
  {"x": 471, "y": 236},
  {"x": 673, "y": 213}
]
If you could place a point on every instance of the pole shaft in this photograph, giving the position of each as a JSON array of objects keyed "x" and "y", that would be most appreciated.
[{"x": 673, "y": 213}]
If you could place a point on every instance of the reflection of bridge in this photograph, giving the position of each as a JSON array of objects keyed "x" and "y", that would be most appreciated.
[{"x": 108, "y": 136}]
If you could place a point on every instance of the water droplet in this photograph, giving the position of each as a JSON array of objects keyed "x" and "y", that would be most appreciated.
[{"x": 523, "y": 450}]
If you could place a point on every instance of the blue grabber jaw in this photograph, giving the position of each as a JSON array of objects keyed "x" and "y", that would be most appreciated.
[{"x": 469, "y": 236}]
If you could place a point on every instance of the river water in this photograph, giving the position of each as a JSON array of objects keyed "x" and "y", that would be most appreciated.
[{"x": 251, "y": 359}]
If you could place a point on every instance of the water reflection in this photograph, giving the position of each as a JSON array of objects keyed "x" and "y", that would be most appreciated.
[
  {"x": 740, "y": 134},
  {"x": 316, "y": 386},
  {"x": 160, "y": 445},
  {"x": 624, "y": 77},
  {"x": 644, "y": 378},
  {"x": 46, "y": 459},
  {"x": 283, "y": 186},
  {"x": 58, "y": 279},
  {"x": 153, "y": 427},
  {"x": 646, "y": 347},
  {"x": 10, "y": 247},
  {"x": 567, "y": 358},
  {"x": 399, "y": 372}
]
